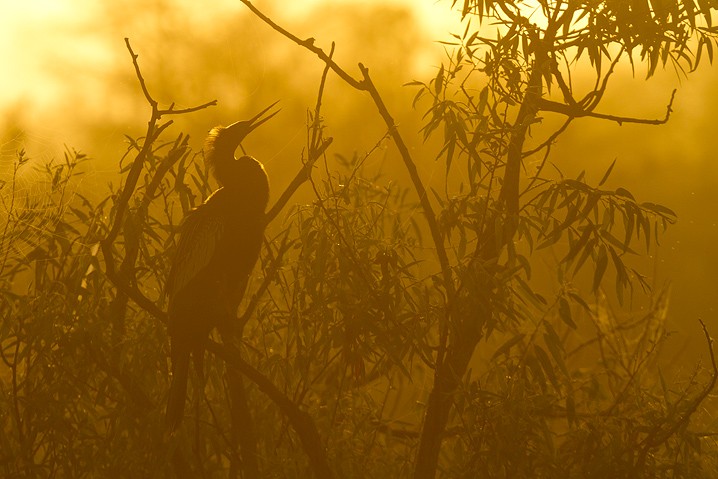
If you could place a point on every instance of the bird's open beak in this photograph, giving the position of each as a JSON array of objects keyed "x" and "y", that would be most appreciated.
[{"x": 239, "y": 130}]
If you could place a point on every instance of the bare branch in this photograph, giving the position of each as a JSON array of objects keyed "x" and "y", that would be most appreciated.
[
  {"x": 301, "y": 177},
  {"x": 171, "y": 110},
  {"x": 578, "y": 112},
  {"x": 153, "y": 103},
  {"x": 316, "y": 125},
  {"x": 309, "y": 45},
  {"x": 141, "y": 79}
]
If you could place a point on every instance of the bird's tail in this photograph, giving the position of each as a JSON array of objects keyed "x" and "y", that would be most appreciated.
[{"x": 178, "y": 391}]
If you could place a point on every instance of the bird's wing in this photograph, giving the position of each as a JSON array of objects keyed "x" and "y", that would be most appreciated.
[{"x": 199, "y": 235}]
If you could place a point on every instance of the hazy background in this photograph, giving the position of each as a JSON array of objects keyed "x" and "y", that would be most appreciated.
[{"x": 67, "y": 79}]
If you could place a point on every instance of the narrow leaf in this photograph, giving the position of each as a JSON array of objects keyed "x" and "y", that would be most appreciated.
[
  {"x": 607, "y": 174},
  {"x": 506, "y": 347},
  {"x": 601, "y": 263},
  {"x": 564, "y": 311}
]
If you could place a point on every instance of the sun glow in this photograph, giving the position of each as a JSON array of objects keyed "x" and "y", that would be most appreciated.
[{"x": 63, "y": 55}]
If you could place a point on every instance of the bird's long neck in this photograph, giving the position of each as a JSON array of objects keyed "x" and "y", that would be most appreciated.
[{"x": 220, "y": 164}]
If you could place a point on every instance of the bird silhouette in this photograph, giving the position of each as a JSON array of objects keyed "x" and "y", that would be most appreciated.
[{"x": 218, "y": 247}]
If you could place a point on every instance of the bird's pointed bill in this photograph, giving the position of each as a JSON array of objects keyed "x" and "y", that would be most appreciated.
[{"x": 245, "y": 127}]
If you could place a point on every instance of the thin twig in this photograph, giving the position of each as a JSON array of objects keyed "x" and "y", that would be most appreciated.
[
  {"x": 152, "y": 101},
  {"x": 171, "y": 110},
  {"x": 143, "y": 85},
  {"x": 316, "y": 126},
  {"x": 549, "y": 141},
  {"x": 315, "y": 151},
  {"x": 272, "y": 270}
]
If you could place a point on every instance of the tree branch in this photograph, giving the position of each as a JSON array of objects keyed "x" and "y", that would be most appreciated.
[
  {"x": 410, "y": 166},
  {"x": 301, "y": 176},
  {"x": 301, "y": 421},
  {"x": 124, "y": 284},
  {"x": 308, "y": 44},
  {"x": 153, "y": 103},
  {"x": 367, "y": 85},
  {"x": 579, "y": 112}
]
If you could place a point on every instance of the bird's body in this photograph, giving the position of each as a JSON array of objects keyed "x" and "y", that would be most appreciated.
[{"x": 219, "y": 245}]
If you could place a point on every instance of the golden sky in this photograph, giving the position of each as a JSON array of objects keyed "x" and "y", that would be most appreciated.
[
  {"x": 61, "y": 57},
  {"x": 41, "y": 38}
]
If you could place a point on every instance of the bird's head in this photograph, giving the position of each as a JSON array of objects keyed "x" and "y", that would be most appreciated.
[{"x": 222, "y": 142}]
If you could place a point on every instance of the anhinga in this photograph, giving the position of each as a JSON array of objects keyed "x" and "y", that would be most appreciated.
[{"x": 218, "y": 247}]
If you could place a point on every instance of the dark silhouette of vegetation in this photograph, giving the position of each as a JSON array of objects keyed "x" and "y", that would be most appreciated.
[{"x": 357, "y": 298}]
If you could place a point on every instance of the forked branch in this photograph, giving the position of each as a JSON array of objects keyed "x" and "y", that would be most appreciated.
[
  {"x": 366, "y": 84},
  {"x": 154, "y": 130}
]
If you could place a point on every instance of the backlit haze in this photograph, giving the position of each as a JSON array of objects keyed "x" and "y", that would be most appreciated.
[
  {"x": 65, "y": 62},
  {"x": 67, "y": 79}
]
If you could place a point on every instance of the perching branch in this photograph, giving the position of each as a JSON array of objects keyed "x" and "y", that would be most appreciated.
[{"x": 301, "y": 421}]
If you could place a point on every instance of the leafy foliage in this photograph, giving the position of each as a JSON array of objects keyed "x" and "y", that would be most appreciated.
[{"x": 353, "y": 311}]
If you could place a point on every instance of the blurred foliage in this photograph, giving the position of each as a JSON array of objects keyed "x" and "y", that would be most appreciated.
[{"x": 349, "y": 311}]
